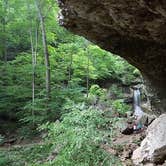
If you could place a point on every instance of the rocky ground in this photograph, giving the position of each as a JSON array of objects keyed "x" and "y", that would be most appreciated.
[{"x": 146, "y": 148}]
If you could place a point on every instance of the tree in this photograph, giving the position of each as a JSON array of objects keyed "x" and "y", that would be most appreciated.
[
  {"x": 87, "y": 74},
  {"x": 45, "y": 48},
  {"x": 33, "y": 29},
  {"x": 4, "y": 21}
]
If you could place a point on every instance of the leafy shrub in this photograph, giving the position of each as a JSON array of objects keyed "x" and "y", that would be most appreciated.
[
  {"x": 120, "y": 107},
  {"x": 3, "y": 160},
  {"x": 97, "y": 96},
  {"x": 136, "y": 73},
  {"x": 78, "y": 138},
  {"x": 115, "y": 91},
  {"x": 96, "y": 90},
  {"x": 31, "y": 155}
]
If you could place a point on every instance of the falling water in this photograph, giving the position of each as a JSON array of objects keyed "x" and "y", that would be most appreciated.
[
  {"x": 136, "y": 98},
  {"x": 137, "y": 109}
]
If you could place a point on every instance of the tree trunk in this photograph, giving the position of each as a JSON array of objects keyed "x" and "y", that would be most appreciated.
[
  {"x": 4, "y": 30},
  {"x": 33, "y": 74},
  {"x": 70, "y": 69},
  {"x": 87, "y": 75},
  {"x": 45, "y": 49},
  {"x": 34, "y": 47}
]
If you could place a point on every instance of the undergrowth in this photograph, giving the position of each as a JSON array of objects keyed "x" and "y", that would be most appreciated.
[
  {"x": 78, "y": 137},
  {"x": 74, "y": 141}
]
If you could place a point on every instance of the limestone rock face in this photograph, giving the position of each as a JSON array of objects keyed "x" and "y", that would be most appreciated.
[
  {"x": 153, "y": 147},
  {"x": 133, "y": 29}
]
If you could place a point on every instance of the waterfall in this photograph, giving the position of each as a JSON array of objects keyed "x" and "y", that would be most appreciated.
[
  {"x": 136, "y": 98},
  {"x": 137, "y": 109}
]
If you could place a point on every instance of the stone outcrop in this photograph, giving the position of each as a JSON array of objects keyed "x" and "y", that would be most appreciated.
[
  {"x": 133, "y": 29},
  {"x": 153, "y": 147}
]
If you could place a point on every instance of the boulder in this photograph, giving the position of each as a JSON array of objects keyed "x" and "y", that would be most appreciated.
[{"x": 153, "y": 147}]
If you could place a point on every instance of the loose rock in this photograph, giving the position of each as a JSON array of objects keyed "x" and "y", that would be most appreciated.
[{"x": 153, "y": 147}]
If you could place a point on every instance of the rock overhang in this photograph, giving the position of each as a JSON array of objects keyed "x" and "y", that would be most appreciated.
[{"x": 133, "y": 29}]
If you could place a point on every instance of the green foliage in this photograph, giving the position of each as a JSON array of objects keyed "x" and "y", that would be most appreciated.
[
  {"x": 78, "y": 138},
  {"x": 120, "y": 107},
  {"x": 33, "y": 154},
  {"x": 115, "y": 91},
  {"x": 3, "y": 160},
  {"x": 72, "y": 59},
  {"x": 96, "y": 90},
  {"x": 75, "y": 65}
]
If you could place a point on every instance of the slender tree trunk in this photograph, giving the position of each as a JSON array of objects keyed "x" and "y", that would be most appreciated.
[
  {"x": 36, "y": 44},
  {"x": 34, "y": 47},
  {"x": 4, "y": 42},
  {"x": 34, "y": 54},
  {"x": 33, "y": 74},
  {"x": 70, "y": 68},
  {"x": 45, "y": 49},
  {"x": 4, "y": 30},
  {"x": 87, "y": 75}
]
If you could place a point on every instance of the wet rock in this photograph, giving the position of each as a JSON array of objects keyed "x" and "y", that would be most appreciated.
[
  {"x": 129, "y": 114},
  {"x": 128, "y": 100},
  {"x": 128, "y": 131},
  {"x": 147, "y": 119},
  {"x": 146, "y": 107},
  {"x": 153, "y": 147}
]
